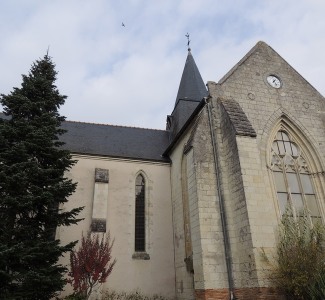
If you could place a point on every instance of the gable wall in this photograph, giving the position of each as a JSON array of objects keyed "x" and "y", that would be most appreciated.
[
  {"x": 297, "y": 98},
  {"x": 264, "y": 105}
]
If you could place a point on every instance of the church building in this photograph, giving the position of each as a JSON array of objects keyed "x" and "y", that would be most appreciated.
[{"x": 191, "y": 207}]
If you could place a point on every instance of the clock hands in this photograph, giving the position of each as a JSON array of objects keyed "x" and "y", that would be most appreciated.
[{"x": 274, "y": 81}]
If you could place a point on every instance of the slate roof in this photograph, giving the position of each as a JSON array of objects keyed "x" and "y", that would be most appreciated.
[
  {"x": 191, "y": 86},
  {"x": 114, "y": 141},
  {"x": 190, "y": 92},
  {"x": 181, "y": 114}
]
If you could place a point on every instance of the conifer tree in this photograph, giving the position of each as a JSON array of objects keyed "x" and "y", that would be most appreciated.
[{"x": 33, "y": 186}]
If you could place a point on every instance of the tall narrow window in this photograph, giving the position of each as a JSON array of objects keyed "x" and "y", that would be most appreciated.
[
  {"x": 292, "y": 177},
  {"x": 140, "y": 231}
]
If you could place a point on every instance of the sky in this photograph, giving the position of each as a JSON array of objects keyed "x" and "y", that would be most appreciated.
[{"x": 129, "y": 75}]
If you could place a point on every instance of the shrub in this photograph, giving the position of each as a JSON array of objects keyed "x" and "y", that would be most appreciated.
[
  {"x": 91, "y": 264},
  {"x": 299, "y": 260},
  {"x": 74, "y": 297},
  {"x": 135, "y": 295},
  {"x": 317, "y": 290}
]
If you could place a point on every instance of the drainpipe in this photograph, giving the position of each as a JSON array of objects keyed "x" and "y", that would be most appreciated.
[{"x": 221, "y": 204}]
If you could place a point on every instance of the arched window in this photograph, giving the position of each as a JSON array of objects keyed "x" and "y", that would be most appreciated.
[
  {"x": 140, "y": 228},
  {"x": 292, "y": 176}
]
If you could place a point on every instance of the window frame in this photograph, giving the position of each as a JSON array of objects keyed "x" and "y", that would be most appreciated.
[
  {"x": 141, "y": 252},
  {"x": 300, "y": 165},
  {"x": 140, "y": 215}
]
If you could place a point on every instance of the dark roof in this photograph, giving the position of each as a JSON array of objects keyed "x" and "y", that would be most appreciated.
[
  {"x": 114, "y": 141},
  {"x": 190, "y": 92},
  {"x": 195, "y": 112},
  {"x": 191, "y": 86},
  {"x": 180, "y": 115}
]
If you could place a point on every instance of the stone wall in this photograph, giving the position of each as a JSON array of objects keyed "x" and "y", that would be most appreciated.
[
  {"x": 247, "y": 183},
  {"x": 214, "y": 273},
  {"x": 234, "y": 191},
  {"x": 184, "y": 279},
  {"x": 296, "y": 103}
]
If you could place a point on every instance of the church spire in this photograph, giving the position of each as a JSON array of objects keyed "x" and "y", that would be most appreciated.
[
  {"x": 190, "y": 92},
  {"x": 191, "y": 87}
]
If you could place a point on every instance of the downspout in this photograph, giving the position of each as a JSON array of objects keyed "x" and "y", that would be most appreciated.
[{"x": 221, "y": 204}]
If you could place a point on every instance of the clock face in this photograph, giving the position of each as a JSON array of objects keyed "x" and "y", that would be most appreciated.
[{"x": 274, "y": 81}]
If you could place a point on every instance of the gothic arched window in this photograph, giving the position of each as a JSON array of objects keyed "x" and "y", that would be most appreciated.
[
  {"x": 292, "y": 176},
  {"x": 140, "y": 228}
]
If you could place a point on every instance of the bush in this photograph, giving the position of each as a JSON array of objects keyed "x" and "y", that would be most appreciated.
[
  {"x": 136, "y": 295},
  {"x": 298, "y": 265},
  {"x": 91, "y": 264},
  {"x": 75, "y": 297},
  {"x": 317, "y": 290}
]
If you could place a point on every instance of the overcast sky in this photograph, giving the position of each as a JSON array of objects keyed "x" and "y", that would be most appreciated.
[{"x": 130, "y": 75}]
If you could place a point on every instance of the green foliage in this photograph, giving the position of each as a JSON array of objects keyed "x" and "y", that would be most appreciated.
[
  {"x": 317, "y": 290},
  {"x": 136, "y": 295},
  {"x": 75, "y": 296},
  {"x": 113, "y": 295},
  {"x": 32, "y": 187},
  {"x": 300, "y": 256}
]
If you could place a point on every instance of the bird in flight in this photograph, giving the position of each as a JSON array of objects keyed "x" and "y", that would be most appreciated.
[{"x": 123, "y": 24}]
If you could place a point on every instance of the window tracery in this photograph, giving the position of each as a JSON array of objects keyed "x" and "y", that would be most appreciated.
[{"x": 292, "y": 177}]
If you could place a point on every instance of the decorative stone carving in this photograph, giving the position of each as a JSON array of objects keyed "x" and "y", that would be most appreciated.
[
  {"x": 98, "y": 225},
  {"x": 101, "y": 175},
  {"x": 251, "y": 96}
]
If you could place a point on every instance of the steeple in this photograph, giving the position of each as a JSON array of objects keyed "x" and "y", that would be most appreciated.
[
  {"x": 190, "y": 92},
  {"x": 191, "y": 87}
]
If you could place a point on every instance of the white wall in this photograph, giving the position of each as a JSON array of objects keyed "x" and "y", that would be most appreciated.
[{"x": 156, "y": 275}]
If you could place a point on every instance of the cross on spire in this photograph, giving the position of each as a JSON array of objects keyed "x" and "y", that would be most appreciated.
[{"x": 188, "y": 41}]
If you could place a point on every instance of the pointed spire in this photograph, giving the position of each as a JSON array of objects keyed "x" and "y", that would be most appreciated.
[
  {"x": 191, "y": 87},
  {"x": 190, "y": 92}
]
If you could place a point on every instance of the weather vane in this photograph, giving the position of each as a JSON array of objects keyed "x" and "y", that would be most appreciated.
[{"x": 188, "y": 41}]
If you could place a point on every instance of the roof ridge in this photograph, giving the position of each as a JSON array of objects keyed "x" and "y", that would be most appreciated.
[
  {"x": 92, "y": 123},
  {"x": 112, "y": 125}
]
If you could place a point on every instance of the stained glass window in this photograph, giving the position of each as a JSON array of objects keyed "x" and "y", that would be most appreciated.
[
  {"x": 140, "y": 230},
  {"x": 292, "y": 177}
]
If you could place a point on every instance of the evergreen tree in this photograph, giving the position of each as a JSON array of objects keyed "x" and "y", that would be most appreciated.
[{"x": 32, "y": 187}]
